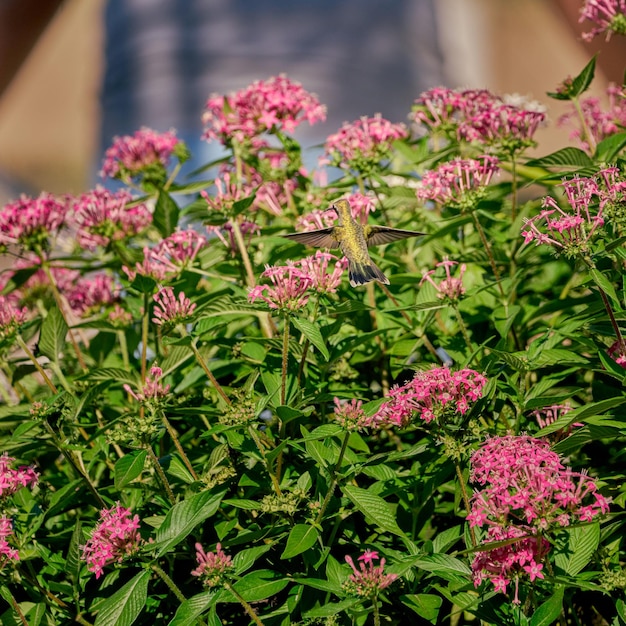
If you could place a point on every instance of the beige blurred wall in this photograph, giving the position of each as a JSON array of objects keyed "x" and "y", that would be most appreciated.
[{"x": 49, "y": 114}]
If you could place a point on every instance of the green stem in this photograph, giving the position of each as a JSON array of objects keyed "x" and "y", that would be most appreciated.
[
  {"x": 259, "y": 445},
  {"x": 513, "y": 188},
  {"x": 168, "y": 581},
  {"x": 487, "y": 247},
  {"x": 59, "y": 301},
  {"x": 16, "y": 607},
  {"x": 207, "y": 371},
  {"x": 459, "y": 318},
  {"x": 333, "y": 482},
  {"x": 161, "y": 473},
  {"x": 174, "y": 436},
  {"x": 59, "y": 374},
  {"x": 376, "y": 612},
  {"x": 145, "y": 326},
  {"x": 121, "y": 337},
  {"x": 285, "y": 359},
  {"x": 22, "y": 344},
  {"x": 249, "y": 610},
  {"x": 466, "y": 501},
  {"x": 172, "y": 177},
  {"x": 245, "y": 257},
  {"x": 585, "y": 128}
]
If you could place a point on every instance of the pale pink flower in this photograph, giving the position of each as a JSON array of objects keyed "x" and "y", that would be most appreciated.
[
  {"x": 599, "y": 123},
  {"x": 152, "y": 388},
  {"x": 609, "y": 16},
  {"x": 459, "y": 183},
  {"x": 568, "y": 233},
  {"x": 32, "y": 222},
  {"x": 364, "y": 142},
  {"x": 350, "y": 414},
  {"x": 273, "y": 104},
  {"x": 115, "y": 537},
  {"x": 213, "y": 567},
  {"x": 324, "y": 280},
  {"x": 450, "y": 287},
  {"x": 11, "y": 318},
  {"x": 105, "y": 216},
  {"x": 120, "y": 317},
  {"x": 247, "y": 230},
  {"x": 12, "y": 480},
  {"x": 169, "y": 309},
  {"x": 90, "y": 294},
  {"x": 369, "y": 579},
  {"x": 146, "y": 150},
  {"x": 617, "y": 352},
  {"x": 289, "y": 289}
]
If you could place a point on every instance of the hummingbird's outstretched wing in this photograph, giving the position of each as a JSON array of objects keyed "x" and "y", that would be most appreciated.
[
  {"x": 322, "y": 238},
  {"x": 377, "y": 235}
]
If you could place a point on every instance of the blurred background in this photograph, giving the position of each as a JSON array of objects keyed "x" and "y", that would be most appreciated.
[{"x": 75, "y": 73}]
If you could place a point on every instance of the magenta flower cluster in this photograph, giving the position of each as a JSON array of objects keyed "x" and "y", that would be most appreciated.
[
  {"x": 450, "y": 287},
  {"x": 368, "y": 140},
  {"x": 11, "y": 318},
  {"x": 525, "y": 491},
  {"x": 350, "y": 414},
  {"x": 132, "y": 154},
  {"x": 171, "y": 309},
  {"x": 459, "y": 183},
  {"x": 152, "y": 388},
  {"x": 370, "y": 578},
  {"x": 212, "y": 566},
  {"x": 478, "y": 116},
  {"x": 273, "y": 104},
  {"x": 115, "y": 537},
  {"x": 431, "y": 395}
]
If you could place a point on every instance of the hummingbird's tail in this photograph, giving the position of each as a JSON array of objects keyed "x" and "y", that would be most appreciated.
[{"x": 363, "y": 273}]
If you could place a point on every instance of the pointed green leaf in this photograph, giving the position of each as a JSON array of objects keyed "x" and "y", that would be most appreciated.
[
  {"x": 301, "y": 538},
  {"x": 53, "y": 332},
  {"x": 441, "y": 563},
  {"x": 580, "y": 414},
  {"x": 183, "y": 517},
  {"x": 374, "y": 508},
  {"x": 426, "y": 605},
  {"x": 191, "y": 609},
  {"x": 313, "y": 334},
  {"x": 550, "y": 610},
  {"x": 166, "y": 213},
  {"x": 257, "y": 585},
  {"x": 566, "y": 157},
  {"x": 129, "y": 467},
  {"x": 609, "y": 148},
  {"x": 605, "y": 284},
  {"x": 578, "y": 85},
  {"x": 583, "y": 542},
  {"x": 124, "y": 606}
]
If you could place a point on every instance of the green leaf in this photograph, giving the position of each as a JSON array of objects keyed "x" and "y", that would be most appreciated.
[
  {"x": 374, "y": 508},
  {"x": 245, "y": 559},
  {"x": 442, "y": 563},
  {"x": 609, "y": 148},
  {"x": 565, "y": 157},
  {"x": 426, "y": 605},
  {"x": 124, "y": 606},
  {"x": 74, "y": 562},
  {"x": 578, "y": 85},
  {"x": 166, "y": 213},
  {"x": 331, "y": 608},
  {"x": 550, "y": 610},
  {"x": 183, "y": 517},
  {"x": 129, "y": 467},
  {"x": 53, "y": 332},
  {"x": 258, "y": 585},
  {"x": 301, "y": 538},
  {"x": 192, "y": 608},
  {"x": 583, "y": 542},
  {"x": 313, "y": 334},
  {"x": 605, "y": 284}
]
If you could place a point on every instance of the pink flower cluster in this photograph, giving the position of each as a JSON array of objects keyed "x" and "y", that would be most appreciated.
[
  {"x": 276, "y": 103},
  {"x": 478, "y": 116},
  {"x": 367, "y": 141},
  {"x": 169, "y": 257},
  {"x": 7, "y": 553},
  {"x": 30, "y": 222},
  {"x": 609, "y": 16},
  {"x": 115, "y": 537},
  {"x": 369, "y": 579},
  {"x": 11, "y": 480},
  {"x": 90, "y": 294},
  {"x": 598, "y": 123},
  {"x": 105, "y": 216},
  {"x": 432, "y": 395},
  {"x": 11, "y": 318},
  {"x": 572, "y": 232},
  {"x": 323, "y": 278},
  {"x": 350, "y": 414},
  {"x": 212, "y": 566},
  {"x": 525, "y": 491},
  {"x": 152, "y": 389},
  {"x": 550, "y": 414},
  {"x": 169, "y": 309},
  {"x": 451, "y": 287},
  {"x": 460, "y": 182},
  {"x": 131, "y": 155}
]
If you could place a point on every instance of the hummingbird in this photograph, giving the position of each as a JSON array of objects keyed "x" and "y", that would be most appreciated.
[{"x": 353, "y": 240}]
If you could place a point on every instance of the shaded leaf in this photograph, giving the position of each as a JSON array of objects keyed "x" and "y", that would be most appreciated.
[{"x": 124, "y": 606}]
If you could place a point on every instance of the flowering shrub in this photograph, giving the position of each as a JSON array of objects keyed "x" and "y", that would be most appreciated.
[{"x": 203, "y": 423}]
